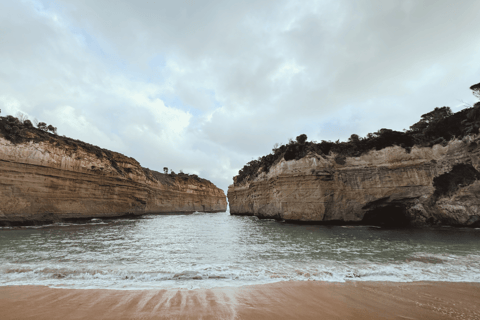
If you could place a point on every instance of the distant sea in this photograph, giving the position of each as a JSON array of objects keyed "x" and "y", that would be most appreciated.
[{"x": 205, "y": 250}]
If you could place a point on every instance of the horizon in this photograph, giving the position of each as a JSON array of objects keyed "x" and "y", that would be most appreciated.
[{"x": 209, "y": 86}]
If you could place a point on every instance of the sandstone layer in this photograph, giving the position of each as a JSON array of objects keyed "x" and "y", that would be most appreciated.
[
  {"x": 394, "y": 187},
  {"x": 56, "y": 178}
]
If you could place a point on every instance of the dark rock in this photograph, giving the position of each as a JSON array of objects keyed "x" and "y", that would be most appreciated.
[
  {"x": 474, "y": 221},
  {"x": 460, "y": 176}
]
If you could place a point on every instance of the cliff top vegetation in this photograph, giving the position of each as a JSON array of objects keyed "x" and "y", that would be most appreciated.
[
  {"x": 20, "y": 130},
  {"x": 435, "y": 127}
]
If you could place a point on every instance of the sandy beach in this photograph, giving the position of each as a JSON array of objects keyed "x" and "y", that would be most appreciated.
[{"x": 282, "y": 300}]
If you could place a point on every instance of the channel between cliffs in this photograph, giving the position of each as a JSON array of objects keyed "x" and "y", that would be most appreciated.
[
  {"x": 55, "y": 179},
  {"x": 394, "y": 187}
]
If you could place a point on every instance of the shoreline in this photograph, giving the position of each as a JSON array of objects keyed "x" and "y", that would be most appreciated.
[
  {"x": 280, "y": 300},
  {"x": 84, "y": 220}
]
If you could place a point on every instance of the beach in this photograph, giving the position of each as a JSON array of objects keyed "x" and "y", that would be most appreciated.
[
  {"x": 156, "y": 268},
  {"x": 281, "y": 300}
]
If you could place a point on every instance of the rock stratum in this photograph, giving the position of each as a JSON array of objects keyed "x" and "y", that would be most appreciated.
[
  {"x": 426, "y": 175},
  {"x": 393, "y": 186},
  {"x": 45, "y": 177}
]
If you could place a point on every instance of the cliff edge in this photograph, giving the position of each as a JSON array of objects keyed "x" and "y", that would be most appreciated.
[
  {"x": 428, "y": 175},
  {"x": 391, "y": 187},
  {"x": 45, "y": 177}
]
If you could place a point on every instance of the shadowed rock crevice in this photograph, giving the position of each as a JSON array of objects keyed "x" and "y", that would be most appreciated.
[
  {"x": 460, "y": 176},
  {"x": 376, "y": 203},
  {"x": 389, "y": 216},
  {"x": 474, "y": 221}
]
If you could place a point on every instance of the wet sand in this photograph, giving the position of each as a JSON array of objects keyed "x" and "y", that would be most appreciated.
[{"x": 282, "y": 300}]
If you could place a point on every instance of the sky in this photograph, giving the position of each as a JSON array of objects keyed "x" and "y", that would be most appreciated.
[{"x": 206, "y": 86}]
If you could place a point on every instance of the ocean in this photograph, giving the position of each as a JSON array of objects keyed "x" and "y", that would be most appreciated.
[{"x": 206, "y": 250}]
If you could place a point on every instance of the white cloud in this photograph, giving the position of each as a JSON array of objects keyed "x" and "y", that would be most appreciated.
[{"x": 205, "y": 86}]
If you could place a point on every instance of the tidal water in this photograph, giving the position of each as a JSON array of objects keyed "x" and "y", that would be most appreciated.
[{"x": 205, "y": 250}]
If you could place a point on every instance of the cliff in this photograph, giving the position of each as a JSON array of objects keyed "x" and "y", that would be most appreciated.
[
  {"x": 427, "y": 175},
  {"x": 393, "y": 186},
  {"x": 45, "y": 177}
]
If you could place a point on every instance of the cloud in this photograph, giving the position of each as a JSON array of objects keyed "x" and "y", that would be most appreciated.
[{"x": 205, "y": 86}]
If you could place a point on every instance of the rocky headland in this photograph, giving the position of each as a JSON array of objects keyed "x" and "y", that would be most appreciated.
[
  {"x": 45, "y": 178},
  {"x": 428, "y": 175}
]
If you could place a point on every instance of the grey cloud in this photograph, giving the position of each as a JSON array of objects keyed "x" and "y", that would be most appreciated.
[{"x": 250, "y": 73}]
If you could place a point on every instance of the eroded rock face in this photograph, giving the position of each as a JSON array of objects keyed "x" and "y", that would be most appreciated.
[
  {"x": 438, "y": 185},
  {"x": 48, "y": 181}
]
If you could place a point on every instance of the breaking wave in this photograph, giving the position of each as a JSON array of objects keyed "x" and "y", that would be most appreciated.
[{"x": 206, "y": 250}]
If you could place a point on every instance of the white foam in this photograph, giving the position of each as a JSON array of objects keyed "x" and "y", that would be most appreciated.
[
  {"x": 207, "y": 250},
  {"x": 424, "y": 268}
]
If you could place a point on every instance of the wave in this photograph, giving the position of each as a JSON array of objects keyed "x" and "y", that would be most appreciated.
[
  {"x": 92, "y": 222},
  {"x": 419, "y": 267}
]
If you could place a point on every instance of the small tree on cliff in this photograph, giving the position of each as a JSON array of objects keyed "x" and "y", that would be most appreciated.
[
  {"x": 42, "y": 126},
  {"x": 165, "y": 170},
  {"x": 301, "y": 138},
  {"x": 52, "y": 129},
  {"x": 427, "y": 125},
  {"x": 21, "y": 117},
  {"x": 476, "y": 90},
  {"x": 354, "y": 138}
]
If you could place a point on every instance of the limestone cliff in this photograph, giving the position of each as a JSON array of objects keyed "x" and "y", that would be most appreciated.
[
  {"x": 44, "y": 177},
  {"x": 392, "y": 186}
]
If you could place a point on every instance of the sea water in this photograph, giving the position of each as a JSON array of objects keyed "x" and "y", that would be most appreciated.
[{"x": 205, "y": 250}]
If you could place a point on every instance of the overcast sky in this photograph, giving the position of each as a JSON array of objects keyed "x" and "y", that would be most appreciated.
[{"x": 205, "y": 86}]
